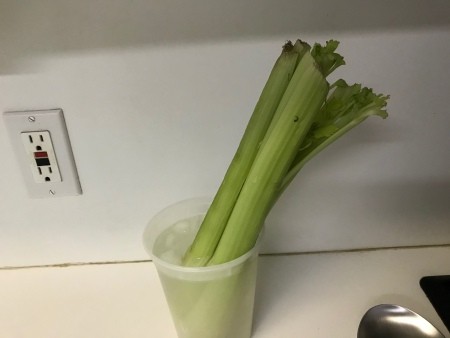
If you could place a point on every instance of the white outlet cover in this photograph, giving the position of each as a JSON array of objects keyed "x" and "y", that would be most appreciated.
[{"x": 52, "y": 121}]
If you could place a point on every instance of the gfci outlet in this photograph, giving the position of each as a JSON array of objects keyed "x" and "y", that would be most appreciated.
[
  {"x": 43, "y": 164},
  {"x": 42, "y": 146}
]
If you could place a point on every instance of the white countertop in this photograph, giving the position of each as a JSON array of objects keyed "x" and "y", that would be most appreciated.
[{"x": 307, "y": 295}]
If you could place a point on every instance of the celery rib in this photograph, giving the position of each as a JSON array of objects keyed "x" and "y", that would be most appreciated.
[
  {"x": 304, "y": 97},
  {"x": 219, "y": 212}
]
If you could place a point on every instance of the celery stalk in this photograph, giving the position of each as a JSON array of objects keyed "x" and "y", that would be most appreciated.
[
  {"x": 298, "y": 114},
  {"x": 217, "y": 216},
  {"x": 345, "y": 108},
  {"x": 303, "y": 98}
]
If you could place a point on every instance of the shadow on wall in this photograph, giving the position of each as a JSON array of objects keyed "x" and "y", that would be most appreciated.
[
  {"x": 419, "y": 204},
  {"x": 32, "y": 28}
]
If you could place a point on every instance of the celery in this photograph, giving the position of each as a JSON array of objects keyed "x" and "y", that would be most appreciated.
[
  {"x": 345, "y": 108},
  {"x": 297, "y": 116},
  {"x": 217, "y": 216},
  {"x": 326, "y": 57},
  {"x": 273, "y": 160}
]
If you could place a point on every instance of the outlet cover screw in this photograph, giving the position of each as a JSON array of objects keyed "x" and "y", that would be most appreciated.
[
  {"x": 31, "y": 118},
  {"x": 51, "y": 192}
]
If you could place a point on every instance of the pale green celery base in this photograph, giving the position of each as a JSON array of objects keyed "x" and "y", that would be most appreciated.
[{"x": 218, "y": 308}]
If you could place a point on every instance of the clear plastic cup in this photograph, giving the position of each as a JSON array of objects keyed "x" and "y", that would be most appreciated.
[{"x": 205, "y": 302}]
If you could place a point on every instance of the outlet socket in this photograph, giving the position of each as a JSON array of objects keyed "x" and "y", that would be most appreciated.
[
  {"x": 43, "y": 164},
  {"x": 41, "y": 143}
]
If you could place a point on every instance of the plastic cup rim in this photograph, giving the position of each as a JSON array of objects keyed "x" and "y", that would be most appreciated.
[{"x": 203, "y": 269}]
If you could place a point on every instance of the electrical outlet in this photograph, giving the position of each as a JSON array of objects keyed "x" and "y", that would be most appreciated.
[
  {"x": 43, "y": 164},
  {"x": 41, "y": 143}
]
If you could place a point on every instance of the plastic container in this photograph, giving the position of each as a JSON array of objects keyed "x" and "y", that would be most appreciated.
[{"x": 205, "y": 302}]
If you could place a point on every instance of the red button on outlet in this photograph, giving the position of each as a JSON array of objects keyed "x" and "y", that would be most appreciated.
[{"x": 40, "y": 154}]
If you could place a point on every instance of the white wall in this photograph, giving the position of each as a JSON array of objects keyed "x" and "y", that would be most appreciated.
[{"x": 156, "y": 96}]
